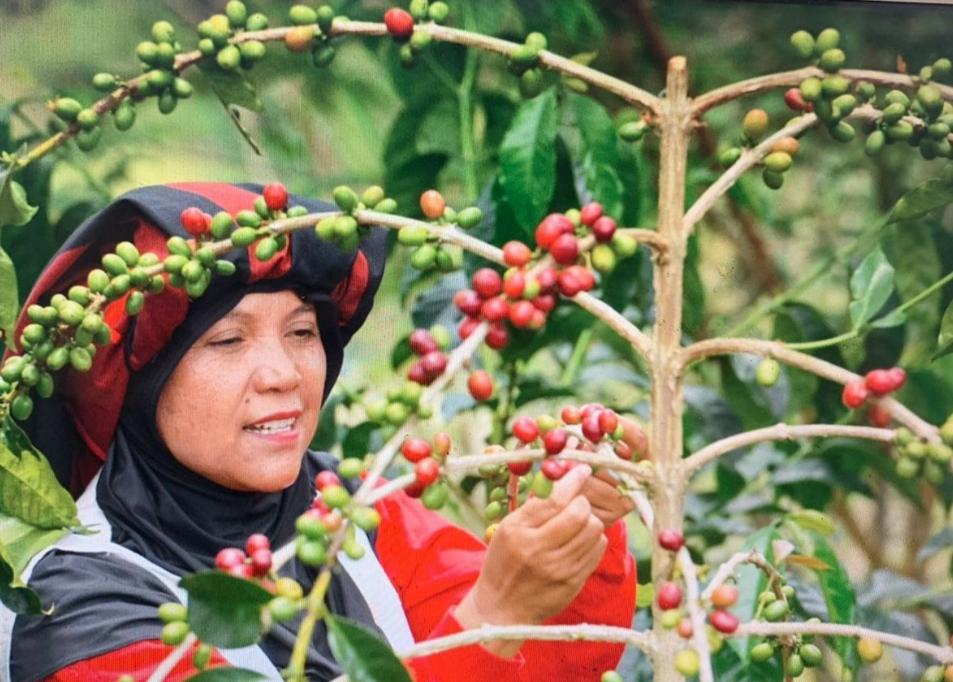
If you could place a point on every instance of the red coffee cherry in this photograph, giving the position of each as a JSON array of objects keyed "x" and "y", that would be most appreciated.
[
  {"x": 494, "y": 309},
  {"x": 276, "y": 196},
  {"x": 261, "y": 562},
  {"x": 433, "y": 363},
  {"x": 551, "y": 227},
  {"x": 427, "y": 471},
  {"x": 240, "y": 571},
  {"x": 565, "y": 249},
  {"x": 685, "y": 628},
  {"x": 519, "y": 468},
  {"x": 525, "y": 429},
  {"x": 855, "y": 394},
  {"x": 422, "y": 342},
  {"x": 415, "y": 449},
  {"x": 591, "y": 428},
  {"x": 569, "y": 285},
  {"x": 195, "y": 221},
  {"x": 584, "y": 275},
  {"x": 671, "y": 539},
  {"x": 514, "y": 284},
  {"x": 516, "y": 254},
  {"x": 555, "y": 441},
  {"x": 622, "y": 450},
  {"x": 554, "y": 469},
  {"x": 604, "y": 229},
  {"x": 468, "y": 302},
  {"x": 497, "y": 338},
  {"x": 441, "y": 444},
  {"x": 590, "y": 213},
  {"x": 466, "y": 327},
  {"x": 399, "y": 23},
  {"x": 724, "y": 596},
  {"x": 879, "y": 381},
  {"x": 878, "y": 416},
  {"x": 723, "y": 621},
  {"x": 521, "y": 314},
  {"x": 547, "y": 278},
  {"x": 431, "y": 202},
  {"x": 898, "y": 377},
  {"x": 487, "y": 282},
  {"x": 608, "y": 421},
  {"x": 571, "y": 415},
  {"x": 256, "y": 542},
  {"x": 794, "y": 99},
  {"x": 326, "y": 478},
  {"x": 480, "y": 385},
  {"x": 229, "y": 557},
  {"x": 669, "y": 596},
  {"x": 544, "y": 302},
  {"x": 418, "y": 374}
]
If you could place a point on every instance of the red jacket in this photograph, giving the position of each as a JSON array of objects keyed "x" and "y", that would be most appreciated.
[{"x": 433, "y": 564}]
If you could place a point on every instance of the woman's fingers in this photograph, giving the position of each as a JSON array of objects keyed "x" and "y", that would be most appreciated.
[
  {"x": 606, "y": 500},
  {"x": 536, "y": 512}
]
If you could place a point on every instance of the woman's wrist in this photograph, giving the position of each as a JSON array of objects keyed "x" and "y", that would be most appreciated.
[{"x": 476, "y": 610}]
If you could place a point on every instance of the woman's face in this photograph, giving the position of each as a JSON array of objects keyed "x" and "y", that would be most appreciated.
[{"x": 242, "y": 405}]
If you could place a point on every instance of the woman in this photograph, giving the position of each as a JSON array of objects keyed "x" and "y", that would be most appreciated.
[{"x": 205, "y": 409}]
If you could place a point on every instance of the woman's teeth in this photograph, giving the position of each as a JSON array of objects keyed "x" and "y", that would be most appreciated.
[{"x": 276, "y": 426}]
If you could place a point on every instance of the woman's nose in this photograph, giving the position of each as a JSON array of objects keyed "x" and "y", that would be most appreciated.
[{"x": 275, "y": 368}]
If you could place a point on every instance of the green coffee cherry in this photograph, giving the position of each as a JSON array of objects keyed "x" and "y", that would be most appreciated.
[
  {"x": 163, "y": 32},
  {"x": 632, "y": 131},
  {"x": 531, "y": 83},
  {"x": 827, "y": 39},
  {"x": 135, "y": 302},
  {"x": 776, "y": 610},
  {"x": 192, "y": 271},
  {"x": 930, "y": 99},
  {"x": 778, "y": 162},
  {"x": 424, "y": 257},
  {"x": 843, "y": 132},
  {"x": 762, "y": 652},
  {"x": 843, "y": 105},
  {"x": 282, "y": 609},
  {"x": 366, "y": 518},
  {"x": 302, "y": 15},
  {"x": 795, "y": 665},
  {"x": 46, "y": 385},
  {"x": 34, "y": 333},
  {"x": 875, "y": 143},
  {"x": 173, "y": 634},
  {"x": 438, "y": 12},
  {"x": 30, "y": 376},
  {"x": 834, "y": 86},
  {"x": 105, "y": 82},
  {"x": 832, "y": 60},
  {"x": 767, "y": 372},
  {"x": 237, "y": 13},
  {"x": 772, "y": 179},
  {"x": 901, "y": 131},
  {"x": 396, "y": 413},
  {"x": 181, "y": 88},
  {"x": 22, "y": 407},
  {"x": 252, "y": 51},
  {"x": 80, "y": 359},
  {"x": 257, "y": 22},
  {"x": 811, "y": 89},
  {"x": 224, "y": 268},
  {"x": 755, "y": 124},
  {"x": 603, "y": 258},
  {"x": 229, "y": 57},
  {"x": 87, "y": 140},
  {"x": 803, "y": 44},
  {"x": 541, "y": 486},
  {"x": 244, "y": 236},
  {"x": 173, "y": 612},
  {"x": 727, "y": 157},
  {"x": 811, "y": 655},
  {"x": 147, "y": 51},
  {"x": 56, "y": 360},
  {"x": 67, "y": 108},
  {"x": 412, "y": 235},
  {"x": 523, "y": 57},
  {"x": 865, "y": 91},
  {"x": 388, "y": 205},
  {"x": 124, "y": 115},
  {"x": 420, "y": 40},
  {"x": 345, "y": 198},
  {"x": 207, "y": 47},
  {"x": 372, "y": 196},
  {"x": 325, "y": 17},
  {"x": 222, "y": 225},
  {"x": 325, "y": 229},
  {"x": 202, "y": 655},
  {"x": 311, "y": 553},
  {"x": 345, "y": 227}
]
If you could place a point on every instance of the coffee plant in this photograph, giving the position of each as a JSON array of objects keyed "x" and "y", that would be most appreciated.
[{"x": 759, "y": 613}]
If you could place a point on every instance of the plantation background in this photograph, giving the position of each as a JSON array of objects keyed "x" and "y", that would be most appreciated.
[{"x": 366, "y": 120}]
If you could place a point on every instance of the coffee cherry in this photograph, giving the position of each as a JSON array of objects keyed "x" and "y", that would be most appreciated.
[
  {"x": 685, "y": 629},
  {"x": 898, "y": 377},
  {"x": 590, "y": 213},
  {"x": 795, "y": 100},
  {"x": 544, "y": 303},
  {"x": 768, "y": 372},
  {"x": 723, "y": 621},
  {"x": 762, "y": 652},
  {"x": 427, "y": 471},
  {"x": 399, "y": 23},
  {"x": 669, "y": 596},
  {"x": 554, "y": 469},
  {"x": 724, "y": 596},
  {"x": 487, "y": 282},
  {"x": 870, "y": 650},
  {"x": 276, "y": 196},
  {"x": 256, "y": 542},
  {"x": 311, "y": 553},
  {"x": 878, "y": 416},
  {"x": 565, "y": 249},
  {"x": 879, "y": 381},
  {"x": 687, "y": 662},
  {"x": 571, "y": 415},
  {"x": 555, "y": 441},
  {"x": 604, "y": 229},
  {"x": 521, "y": 314},
  {"x": 229, "y": 557},
  {"x": 468, "y": 302},
  {"x": 514, "y": 284},
  {"x": 174, "y": 633},
  {"x": 422, "y": 342},
  {"x": 261, "y": 562},
  {"x": 854, "y": 395},
  {"x": 569, "y": 284},
  {"x": 551, "y": 227},
  {"x": 803, "y": 44},
  {"x": 525, "y": 429},
  {"x": 516, "y": 254},
  {"x": 469, "y": 217},
  {"x": 777, "y": 162},
  {"x": 788, "y": 145},
  {"x": 608, "y": 421},
  {"x": 811, "y": 655},
  {"x": 755, "y": 124},
  {"x": 519, "y": 468},
  {"x": 611, "y": 676},
  {"x": 432, "y": 204},
  {"x": 776, "y": 611},
  {"x": 466, "y": 327},
  {"x": 415, "y": 449},
  {"x": 325, "y": 479},
  {"x": 583, "y": 275},
  {"x": 480, "y": 385},
  {"x": 671, "y": 539},
  {"x": 194, "y": 221},
  {"x": 434, "y": 363},
  {"x": 591, "y": 428},
  {"x": 494, "y": 309},
  {"x": 794, "y": 666}
]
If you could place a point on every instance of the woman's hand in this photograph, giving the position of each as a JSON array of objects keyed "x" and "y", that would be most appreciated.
[
  {"x": 608, "y": 504},
  {"x": 538, "y": 560}
]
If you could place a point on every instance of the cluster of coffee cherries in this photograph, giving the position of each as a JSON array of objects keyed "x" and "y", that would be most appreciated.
[
  {"x": 175, "y": 619},
  {"x": 311, "y": 30},
  {"x": 426, "y": 456},
  {"x": 400, "y": 24},
  {"x": 559, "y": 234},
  {"x": 923, "y": 121},
  {"x": 877, "y": 383},
  {"x": 344, "y": 229},
  {"x": 777, "y": 161},
  {"x": 399, "y": 404},
  {"x": 429, "y": 346},
  {"x": 523, "y": 61},
  {"x": 429, "y": 253},
  {"x": 937, "y": 673},
  {"x": 916, "y": 456}
]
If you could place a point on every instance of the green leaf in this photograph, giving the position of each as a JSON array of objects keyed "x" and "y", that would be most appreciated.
[
  {"x": 227, "y": 674},
  {"x": 29, "y": 489},
  {"x": 225, "y": 611},
  {"x": 232, "y": 87},
  {"x": 751, "y": 582},
  {"x": 14, "y": 207},
  {"x": 894, "y": 318},
  {"x": 22, "y": 541},
  {"x": 928, "y": 197},
  {"x": 9, "y": 299},
  {"x": 528, "y": 160},
  {"x": 870, "y": 287},
  {"x": 13, "y": 593},
  {"x": 944, "y": 342},
  {"x": 235, "y": 118},
  {"x": 362, "y": 655},
  {"x": 358, "y": 440},
  {"x": 838, "y": 595},
  {"x": 598, "y": 156}
]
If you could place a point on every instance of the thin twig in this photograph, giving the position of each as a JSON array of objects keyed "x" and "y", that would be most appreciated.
[
  {"x": 728, "y": 568},
  {"x": 170, "y": 661},
  {"x": 697, "y": 615},
  {"x": 464, "y": 463}
]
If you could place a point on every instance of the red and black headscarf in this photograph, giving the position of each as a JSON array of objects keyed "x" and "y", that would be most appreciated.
[{"x": 77, "y": 425}]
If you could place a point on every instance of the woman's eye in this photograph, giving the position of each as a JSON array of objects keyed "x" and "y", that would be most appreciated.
[
  {"x": 230, "y": 341},
  {"x": 307, "y": 333}
]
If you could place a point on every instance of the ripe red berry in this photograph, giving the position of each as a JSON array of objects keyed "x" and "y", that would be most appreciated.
[
  {"x": 418, "y": 374},
  {"x": 794, "y": 99},
  {"x": 228, "y": 557},
  {"x": 724, "y": 596},
  {"x": 604, "y": 229},
  {"x": 325, "y": 478},
  {"x": 240, "y": 571},
  {"x": 521, "y": 314},
  {"x": 723, "y": 621},
  {"x": 544, "y": 302},
  {"x": 551, "y": 227},
  {"x": 422, "y": 342},
  {"x": 261, "y": 562},
  {"x": 400, "y": 23},
  {"x": 194, "y": 221},
  {"x": 571, "y": 415},
  {"x": 855, "y": 394},
  {"x": 569, "y": 286},
  {"x": 878, "y": 416},
  {"x": 427, "y": 471},
  {"x": 432, "y": 202},
  {"x": 480, "y": 385},
  {"x": 466, "y": 327},
  {"x": 608, "y": 421},
  {"x": 685, "y": 629},
  {"x": 256, "y": 542},
  {"x": 525, "y": 429},
  {"x": 669, "y": 596},
  {"x": 276, "y": 196},
  {"x": 497, "y": 338},
  {"x": 547, "y": 278},
  {"x": 494, "y": 309},
  {"x": 516, "y": 254},
  {"x": 555, "y": 441},
  {"x": 879, "y": 382},
  {"x": 415, "y": 449},
  {"x": 670, "y": 539},
  {"x": 519, "y": 468},
  {"x": 591, "y": 428},
  {"x": 468, "y": 302},
  {"x": 898, "y": 377},
  {"x": 487, "y": 282},
  {"x": 537, "y": 320},
  {"x": 554, "y": 469},
  {"x": 584, "y": 275},
  {"x": 565, "y": 249},
  {"x": 590, "y": 213},
  {"x": 514, "y": 284},
  {"x": 433, "y": 363}
]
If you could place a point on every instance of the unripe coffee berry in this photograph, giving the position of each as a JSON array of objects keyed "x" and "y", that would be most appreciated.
[
  {"x": 724, "y": 596},
  {"x": 687, "y": 662},
  {"x": 174, "y": 633},
  {"x": 755, "y": 124},
  {"x": 870, "y": 650}
]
